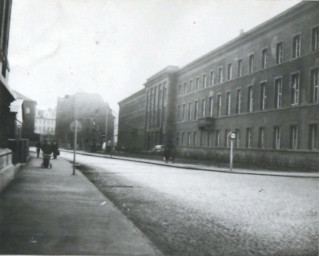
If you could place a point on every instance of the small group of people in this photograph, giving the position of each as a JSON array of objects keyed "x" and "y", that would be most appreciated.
[{"x": 48, "y": 147}]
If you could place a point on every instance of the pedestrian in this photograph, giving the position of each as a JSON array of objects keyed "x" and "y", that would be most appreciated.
[
  {"x": 47, "y": 151},
  {"x": 38, "y": 146},
  {"x": 46, "y": 147},
  {"x": 55, "y": 149},
  {"x": 166, "y": 154}
]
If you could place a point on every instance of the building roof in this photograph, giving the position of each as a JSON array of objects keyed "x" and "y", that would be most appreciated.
[
  {"x": 164, "y": 71},
  {"x": 256, "y": 31},
  {"x": 19, "y": 95},
  {"x": 138, "y": 93}
]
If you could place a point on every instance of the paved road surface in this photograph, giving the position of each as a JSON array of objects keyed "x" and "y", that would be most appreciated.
[{"x": 189, "y": 212}]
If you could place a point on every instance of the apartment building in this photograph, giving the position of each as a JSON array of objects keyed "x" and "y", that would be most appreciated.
[{"x": 263, "y": 86}]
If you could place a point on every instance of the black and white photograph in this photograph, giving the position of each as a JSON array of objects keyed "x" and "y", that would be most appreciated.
[{"x": 159, "y": 127}]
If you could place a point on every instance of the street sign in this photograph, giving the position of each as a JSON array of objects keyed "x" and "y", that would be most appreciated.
[
  {"x": 233, "y": 135},
  {"x": 78, "y": 128}
]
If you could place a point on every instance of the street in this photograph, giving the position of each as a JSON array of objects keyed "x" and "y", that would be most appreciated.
[{"x": 191, "y": 212}]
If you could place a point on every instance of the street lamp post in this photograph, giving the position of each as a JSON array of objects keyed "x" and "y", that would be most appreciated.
[{"x": 232, "y": 136}]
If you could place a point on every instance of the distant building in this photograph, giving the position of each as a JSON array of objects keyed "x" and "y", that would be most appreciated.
[
  {"x": 263, "y": 86},
  {"x": 45, "y": 123},
  {"x": 28, "y": 116},
  {"x": 131, "y": 129},
  {"x": 95, "y": 116}
]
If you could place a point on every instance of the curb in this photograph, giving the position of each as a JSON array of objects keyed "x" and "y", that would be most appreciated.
[{"x": 260, "y": 173}]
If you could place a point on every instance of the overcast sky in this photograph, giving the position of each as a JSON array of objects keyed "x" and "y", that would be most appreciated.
[{"x": 111, "y": 47}]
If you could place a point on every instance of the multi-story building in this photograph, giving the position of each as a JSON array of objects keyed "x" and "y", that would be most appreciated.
[
  {"x": 262, "y": 85},
  {"x": 94, "y": 115},
  {"x": 160, "y": 107},
  {"x": 7, "y": 119},
  {"x": 132, "y": 128},
  {"x": 28, "y": 109},
  {"x": 45, "y": 122}
]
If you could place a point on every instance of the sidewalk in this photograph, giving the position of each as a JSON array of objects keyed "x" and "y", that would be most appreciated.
[
  {"x": 50, "y": 211},
  {"x": 208, "y": 168}
]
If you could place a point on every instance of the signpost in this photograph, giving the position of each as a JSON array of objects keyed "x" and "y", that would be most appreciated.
[
  {"x": 232, "y": 136},
  {"x": 75, "y": 127}
]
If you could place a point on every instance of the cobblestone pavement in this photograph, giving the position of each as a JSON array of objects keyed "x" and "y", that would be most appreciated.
[{"x": 189, "y": 212}]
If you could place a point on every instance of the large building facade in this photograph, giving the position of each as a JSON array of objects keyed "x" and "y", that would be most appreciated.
[
  {"x": 263, "y": 86},
  {"x": 131, "y": 130},
  {"x": 7, "y": 119},
  {"x": 95, "y": 116}
]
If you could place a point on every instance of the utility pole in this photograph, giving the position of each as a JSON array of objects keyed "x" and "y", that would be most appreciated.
[{"x": 75, "y": 143}]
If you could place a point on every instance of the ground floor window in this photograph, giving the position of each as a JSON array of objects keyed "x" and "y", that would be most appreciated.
[
  {"x": 277, "y": 137},
  {"x": 313, "y": 136},
  {"x": 261, "y": 139},
  {"x": 248, "y": 138},
  {"x": 293, "y": 136}
]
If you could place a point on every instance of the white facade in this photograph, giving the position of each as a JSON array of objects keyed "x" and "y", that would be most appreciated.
[{"x": 45, "y": 122}]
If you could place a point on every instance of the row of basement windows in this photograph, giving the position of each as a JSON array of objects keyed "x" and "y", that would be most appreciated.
[
  {"x": 199, "y": 109},
  {"x": 296, "y": 52},
  {"x": 213, "y": 138}
]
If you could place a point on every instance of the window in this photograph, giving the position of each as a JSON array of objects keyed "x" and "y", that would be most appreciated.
[
  {"x": 294, "y": 137},
  {"x": 197, "y": 83},
  {"x": 238, "y": 101},
  {"x": 189, "y": 138},
  {"x": 220, "y": 75},
  {"x": 204, "y": 81},
  {"x": 278, "y": 93},
  {"x": 211, "y": 106},
  {"x": 264, "y": 58},
  {"x": 27, "y": 110},
  {"x": 201, "y": 138},
  {"x": 296, "y": 46},
  {"x": 178, "y": 112},
  {"x": 250, "y": 101},
  {"x": 263, "y": 96},
  {"x": 219, "y": 104},
  {"x": 248, "y": 138},
  {"x": 240, "y": 68},
  {"x": 212, "y": 78},
  {"x": 226, "y": 139},
  {"x": 189, "y": 111},
  {"x": 251, "y": 64},
  {"x": 180, "y": 89},
  {"x": 228, "y": 103},
  {"x": 261, "y": 138},
  {"x": 295, "y": 89},
  {"x": 203, "y": 108},
  {"x": 229, "y": 71},
  {"x": 315, "y": 85},
  {"x": 183, "y": 112},
  {"x": 185, "y": 88},
  {"x": 195, "y": 139},
  {"x": 279, "y": 53},
  {"x": 313, "y": 136},
  {"x": 315, "y": 38},
  {"x": 209, "y": 137},
  {"x": 217, "y": 140},
  {"x": 190, "y": 86},
  {"x": 195, "y": 110},
  {"x": 277, "y": 137},
  {"x": 237, "y": 140}
]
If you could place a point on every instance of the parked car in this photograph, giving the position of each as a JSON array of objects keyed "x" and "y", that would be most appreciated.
[{"x": 158, "y": 149}]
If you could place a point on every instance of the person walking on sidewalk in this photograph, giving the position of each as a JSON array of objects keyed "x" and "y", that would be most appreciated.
[
  {"x": 38, "y": 146},
  {"x": 55, "y": 149},
  {"x": 167, "y": 154}
]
